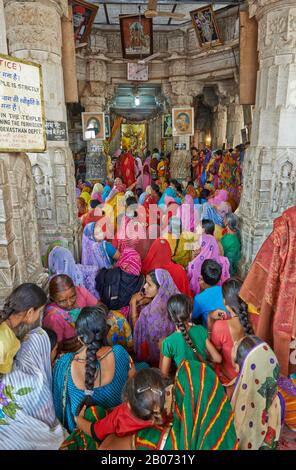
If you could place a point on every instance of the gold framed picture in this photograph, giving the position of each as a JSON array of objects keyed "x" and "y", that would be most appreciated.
[
  {"x": 167, "y": 128},
  {"x": 183, "y": 121},
  {"x": 93, "y": 126},
  {"x": 206, "y": 26},
  {"x": 83, "y": 17}
]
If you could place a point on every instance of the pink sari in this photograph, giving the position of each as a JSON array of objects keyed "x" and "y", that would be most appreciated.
[
  {"x": 209, "y": 250},
  {"x": 146, "y": 173}
]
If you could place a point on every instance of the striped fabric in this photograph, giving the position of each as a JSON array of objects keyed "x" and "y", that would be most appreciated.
[
  {"x": 27, "y": 415},
  {"x": 130, "y": 261},
  {"x": 202, "y": 415},
  {"x": 67, "y": 396}
]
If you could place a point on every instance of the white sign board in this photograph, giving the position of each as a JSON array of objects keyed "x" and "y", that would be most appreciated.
[{"x": 22, "y": 121}]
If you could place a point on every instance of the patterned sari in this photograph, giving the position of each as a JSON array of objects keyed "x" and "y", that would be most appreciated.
[
  {"x": 153, "y": 323},
  {"x": 255, "y": 401},
  {"x": 202, "y": 415}
]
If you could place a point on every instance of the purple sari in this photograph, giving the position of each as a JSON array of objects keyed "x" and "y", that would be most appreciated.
[
  {"x": 209, "y": 250},
  {"x": 61, "y": 261},
  {"x": 153, "y": 323},
  {"x": 93, "y": 253}
]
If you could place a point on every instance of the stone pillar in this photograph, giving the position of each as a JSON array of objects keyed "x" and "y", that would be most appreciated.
[
  {"x": 94, "y": 99},
  {"x": 219, "y": 125},
  {"x": 235, "y": 122},
  {"x": 34, "y": 33},
  {"x": 20, "y": 259},
  {"x": 180, "y": 94},
  {"x": 270, "y": 163}
]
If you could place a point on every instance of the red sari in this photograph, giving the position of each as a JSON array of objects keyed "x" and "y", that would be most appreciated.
[
  {"x": 127, "y": 168},
  {"x": 270, "y": 288},
  {"x": 160, "y": 257}
]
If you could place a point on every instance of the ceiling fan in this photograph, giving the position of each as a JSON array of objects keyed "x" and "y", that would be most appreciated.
[{"x": 152, "y": 12}]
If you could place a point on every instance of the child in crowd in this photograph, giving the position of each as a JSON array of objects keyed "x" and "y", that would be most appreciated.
[
  {"x": 208, "y": 227},
  {"x": 210, "y": 298},
  {"x": 143, "y": 407},
  {"x": 188, "y": 342},
  {"x": 53, "y": 344}
]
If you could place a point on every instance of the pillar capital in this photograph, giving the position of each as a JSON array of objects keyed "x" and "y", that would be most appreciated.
[{"x": 260, "y": 7}]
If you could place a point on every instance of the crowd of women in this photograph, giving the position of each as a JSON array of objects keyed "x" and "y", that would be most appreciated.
[{"x": 153, "y": 342}]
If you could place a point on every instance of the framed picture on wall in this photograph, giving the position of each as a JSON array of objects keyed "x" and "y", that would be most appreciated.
[
  {"x": 167, "y": 128},
  {"x": 136, "y": 36},
  {"x": 83, "y": 17},
  {"x": 93, "y": 126},
  {"x": 206, "y": 26},
  {"x": 107, "y": 126},
  {"x": 183, "y": 121}
]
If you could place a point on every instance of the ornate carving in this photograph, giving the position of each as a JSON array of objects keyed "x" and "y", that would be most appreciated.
[
  {"x": 96, "y": 71},
  {"x": 42, "y": 186},
  {"x": 284, "y": 189}
]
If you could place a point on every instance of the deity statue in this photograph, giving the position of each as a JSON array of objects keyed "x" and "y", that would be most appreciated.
[
  {"x": 284, "y": 189},
  {"x": 44, "y": 210}
]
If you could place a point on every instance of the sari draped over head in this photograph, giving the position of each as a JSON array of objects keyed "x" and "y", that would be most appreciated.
[
  {"x": 78, "y": 192},
  {"x": 98, "y": 188},
  {"x": 255, "y": 401},
  {"x": 153, "y": 323},
  {"x": 86, "y": 197},
  {"x": 181, "y": 247},
  {"x": 106, "y": 192},
  {"x": 130, "y": 261},
  {"x": 270, "y": 288},
  {"x": 61, "y": 261},
  {"x": 58, "y": 242},
  {"x": 217, "y": 207},
  {"x": 188, "y": 214},
  {"x": 139, "y": 172},
  {"x": 94, "y": 253},
  {"x": 146, "y": 173},
  {"x": 171, "y": 193},
  {"x": 27, "y": 414},
  {"x": 142, "y": 198},
  {"x": 127, "y": 167},
  {"x": 202, "y": 415},
  {"x": 160, "y": 257},
  {"x": 209, "y": 250}
]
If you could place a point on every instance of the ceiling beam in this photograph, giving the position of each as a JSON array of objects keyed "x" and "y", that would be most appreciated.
[
  {"x": 106, "y": 13},
  {"x": 169, "y": 2},
  {"x": 173, "y": 11}
]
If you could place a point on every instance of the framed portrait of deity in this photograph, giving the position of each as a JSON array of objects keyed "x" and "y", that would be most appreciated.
[
  {"x": 183, "y": 121},
  {"x": 83, "y": 17},
  {"x": 136, "y": 36},
  {"x": 167, "y": 128},
  {"x": 93, "y": 126},
  {"x": 206, "y": 26}
]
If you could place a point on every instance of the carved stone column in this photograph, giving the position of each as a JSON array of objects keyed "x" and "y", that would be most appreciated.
[
  {"x": 235, "y": 122},
  {"x": 94, "y": 100},
  {"x": 219, "y": 125},
  {"x": 20, "y": 259},
  {"x": 180, "y": 94},
  {"x": 34, "y": 33},
  {"x": 270, "y": 164}
]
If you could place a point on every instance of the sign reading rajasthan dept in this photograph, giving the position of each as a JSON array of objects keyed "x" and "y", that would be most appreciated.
[{"x": 22, "y": 121}]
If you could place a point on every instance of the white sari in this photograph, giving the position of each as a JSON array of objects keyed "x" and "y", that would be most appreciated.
[{"x": 27, "y": 415}]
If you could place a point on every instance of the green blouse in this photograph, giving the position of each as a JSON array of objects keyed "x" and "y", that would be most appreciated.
[{"x": 175, "y": 346}]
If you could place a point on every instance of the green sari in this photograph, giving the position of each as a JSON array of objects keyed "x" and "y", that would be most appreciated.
[
  {"x": 202, "y": 415},
  {"x": 232, "y": 250}
]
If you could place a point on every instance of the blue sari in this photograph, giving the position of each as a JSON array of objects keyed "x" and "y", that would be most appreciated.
[{"x": 67, "y": 396}]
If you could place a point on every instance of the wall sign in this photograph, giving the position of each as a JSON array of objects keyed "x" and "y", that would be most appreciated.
[
  {"x": 56, "y": 130},
  {"x": 22, "y": 120}
]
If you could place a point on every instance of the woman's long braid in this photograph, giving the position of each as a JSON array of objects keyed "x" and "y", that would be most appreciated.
[
  {"x": 181, "y": 326},
  {"x": 6, "y": 311},
  {"x": 243, "y": 318}
]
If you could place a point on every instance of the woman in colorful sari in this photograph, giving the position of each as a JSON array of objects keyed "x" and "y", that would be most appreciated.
[
  {"x": 114, "y": 203},
  {"x": 181, "y": 242},
  {"x": 153, "y": 323},
  {"x": 96, "y": 374},
  {"x": 61, "y": 261},
  {"x": 209, "y": 249},
  {"x": 201, "y": 416},
  {"x": 231, "y": 243},
  {"x": 27, "y": 415},
  {"x": 96, "y": 251},
  {"x": 172, "y": 194},
  {"x": 60, "y": 314},
  {"x": 217, "y": 207},
  {"x": 213, "y": 168},
  {"x": 160, "y": 257},
  {"x": 255, "y": 401},
  {"x": 146, "y": 172},
  {"x": 127, "y": 168},
  {"x": 270, "y": 289}
]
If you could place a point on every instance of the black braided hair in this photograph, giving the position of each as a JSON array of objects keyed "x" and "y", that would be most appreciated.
[
  {"x": 145, "y": 393},
  {"x": 179, "y": 310},
  {"x": 230, "y": 291},
  {"x": 23, "y": 298},
  {"x": 91, "y": 328}
]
